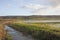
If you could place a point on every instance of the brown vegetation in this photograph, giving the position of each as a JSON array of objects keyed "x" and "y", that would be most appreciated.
[{"x": 2, "y": 32}]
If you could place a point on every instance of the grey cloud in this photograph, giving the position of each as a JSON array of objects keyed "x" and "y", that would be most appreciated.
[
  {"x": 52, "y": 9},
  {"x": 40, "y": 9},
  {"x": 52, "y": 2}
]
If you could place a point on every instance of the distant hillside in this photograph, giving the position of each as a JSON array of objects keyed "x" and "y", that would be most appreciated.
[{"x": 33, "y": 17}]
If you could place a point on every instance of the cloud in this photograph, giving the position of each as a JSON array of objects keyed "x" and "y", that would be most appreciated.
[
  {"x": 51, "y": 2},
  {"x": 48, "y": 11},
  {"x": 39, "y": 9},
  {"x": 53, "y": 9},
  {"x": 54, "y": 2},
  {"x": 33, "y": 6}
]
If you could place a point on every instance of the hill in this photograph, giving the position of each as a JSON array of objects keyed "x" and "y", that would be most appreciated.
[{"x": 32, "y": 17}]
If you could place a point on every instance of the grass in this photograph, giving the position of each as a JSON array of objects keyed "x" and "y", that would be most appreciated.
[
  {"x": 3, "y": 35},
  {"x": 41, "y": 31},
  {"x": 8, "y": 37},
  {"x": 2, "y": 32}
]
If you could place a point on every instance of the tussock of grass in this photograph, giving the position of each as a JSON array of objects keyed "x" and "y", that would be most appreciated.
[{"x": 38, "y": 31}]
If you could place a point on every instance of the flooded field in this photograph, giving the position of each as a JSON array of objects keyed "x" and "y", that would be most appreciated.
[
  {"x": 36, "y": 30},
  {"x": 15, "y": 35},
  {"x": 42, "y": 21}
]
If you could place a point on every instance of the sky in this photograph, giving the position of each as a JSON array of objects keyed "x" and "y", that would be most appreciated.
[{"x": 29, "y": 7}]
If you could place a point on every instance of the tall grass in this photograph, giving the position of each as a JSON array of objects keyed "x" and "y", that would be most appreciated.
[
  {"x": 2, "y": 32},
  {"x": 38, "y": 31}
]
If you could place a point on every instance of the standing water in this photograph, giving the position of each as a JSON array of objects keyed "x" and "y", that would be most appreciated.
[{"x": 15, "y": 35}]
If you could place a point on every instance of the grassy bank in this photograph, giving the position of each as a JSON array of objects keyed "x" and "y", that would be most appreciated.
[
  {"x": 8, "y": 37},
  {"x": 39, "y": 31},
  {"x": 2, "y": 32}
]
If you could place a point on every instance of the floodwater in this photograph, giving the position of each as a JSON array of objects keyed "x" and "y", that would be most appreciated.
[
  {"x": 57, "y": 25},
  {"x": 42, "y": 21},
  {"x": 15, "y": 35}
]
